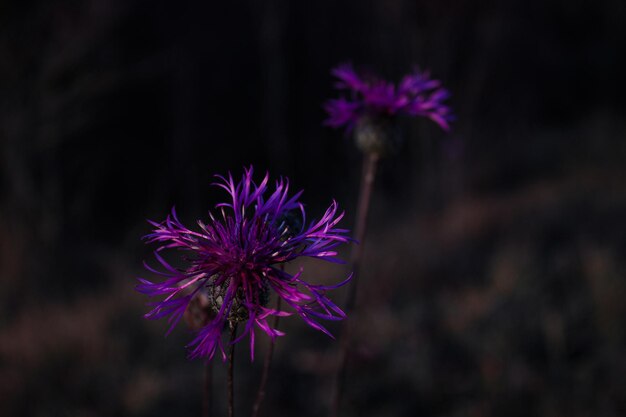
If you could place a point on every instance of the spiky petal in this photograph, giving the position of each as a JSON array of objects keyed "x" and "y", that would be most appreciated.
[
  {"x": 372, "y": 98},
  {"x": 238, "y": 254}
]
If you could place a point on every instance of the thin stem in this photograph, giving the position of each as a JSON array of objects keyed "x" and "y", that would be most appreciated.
[
  {"x": 260, "y": 396},
  {"x": 370, "y": 163},
  {"x": 231, "y": 366},
  {"x": 207, "y": 392}
]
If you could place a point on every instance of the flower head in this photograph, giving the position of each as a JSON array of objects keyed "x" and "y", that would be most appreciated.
[
  {"x": 234, "y": 259},
  {"x": 374, "y": 99}
]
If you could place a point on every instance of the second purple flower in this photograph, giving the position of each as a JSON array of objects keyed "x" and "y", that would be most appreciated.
[{"x": 371, "y": 104}]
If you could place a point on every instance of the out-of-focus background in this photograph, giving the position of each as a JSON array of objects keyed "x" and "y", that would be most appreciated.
[{"x": 495, "y": 276}]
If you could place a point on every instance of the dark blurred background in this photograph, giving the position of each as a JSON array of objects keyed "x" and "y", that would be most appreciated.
[{"x": 494, "y": 283}]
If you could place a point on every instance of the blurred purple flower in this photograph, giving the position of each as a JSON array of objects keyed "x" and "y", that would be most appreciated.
[
  {"x": 373, "y": 98},
  {"x": 235, "y": 259}
]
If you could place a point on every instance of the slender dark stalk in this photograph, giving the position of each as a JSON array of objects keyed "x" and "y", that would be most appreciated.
[
  {"x": 231, "y": 366},
  {"x": 207, "y": 392},
  {"x": 370, "y": 163},
  {"x": 260, "y": 396}
]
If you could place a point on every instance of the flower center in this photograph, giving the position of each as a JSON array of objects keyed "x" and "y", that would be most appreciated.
[{"x": 239, "y": 310}]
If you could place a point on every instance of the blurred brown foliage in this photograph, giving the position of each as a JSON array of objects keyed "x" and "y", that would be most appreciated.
[{"x": 495, "y": 276}]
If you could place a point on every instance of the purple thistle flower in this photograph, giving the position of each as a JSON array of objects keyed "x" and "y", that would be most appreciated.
[
  {"x": 372, "y": 98},
  {"x": 235, "y": 258}
]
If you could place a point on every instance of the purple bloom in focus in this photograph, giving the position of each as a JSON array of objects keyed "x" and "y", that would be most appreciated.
[
  {"x": 372, "y": 98},
  {"x": 235, "y": 259}
]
